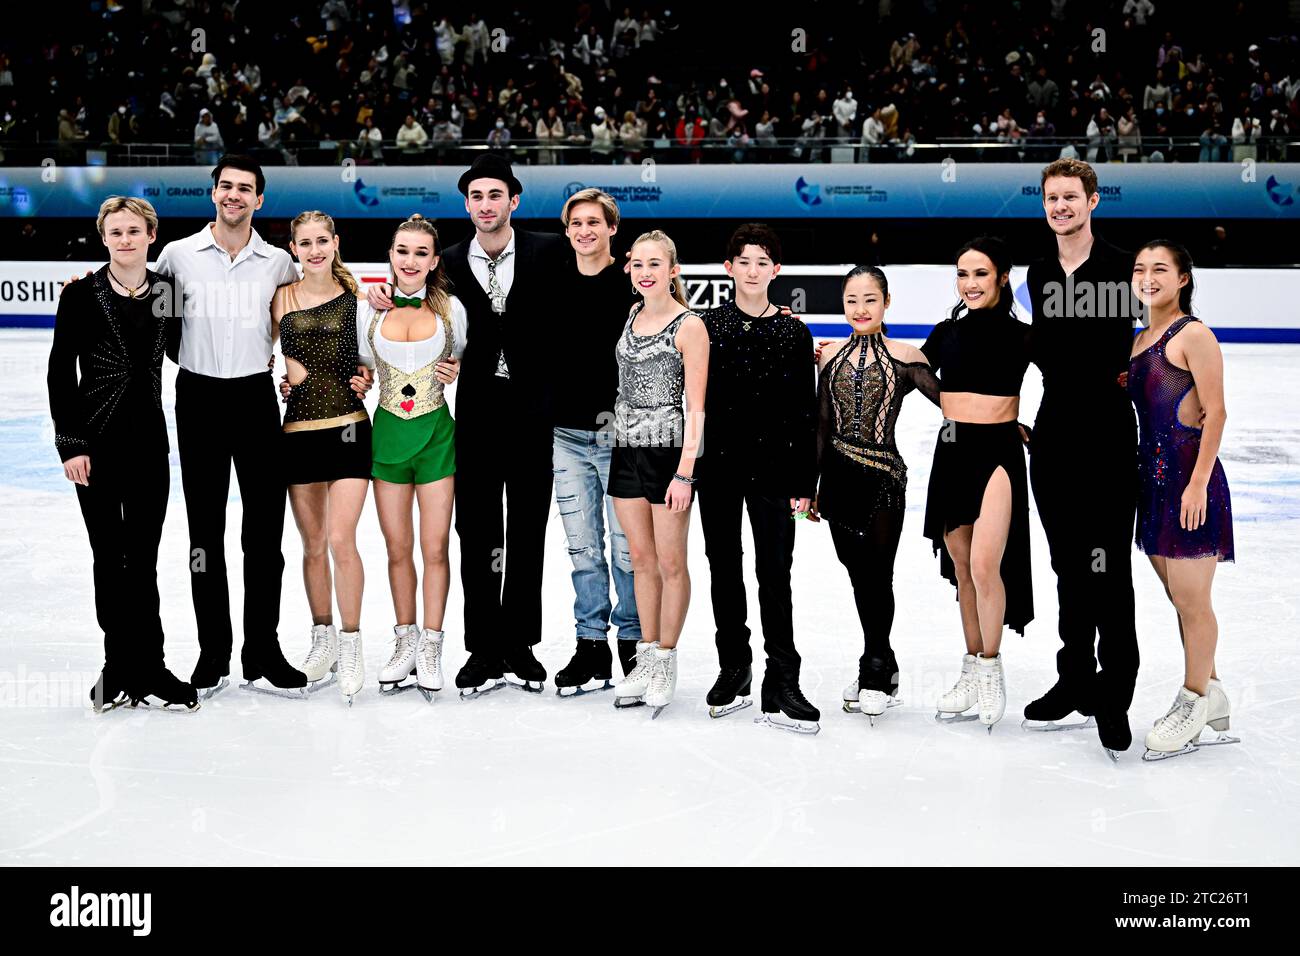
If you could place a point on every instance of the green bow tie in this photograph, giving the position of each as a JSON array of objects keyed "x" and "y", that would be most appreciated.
[{"x": 399, "y": 301}]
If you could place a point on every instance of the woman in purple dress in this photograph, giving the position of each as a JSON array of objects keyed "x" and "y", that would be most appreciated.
[{"x": 1184, "y": 521}]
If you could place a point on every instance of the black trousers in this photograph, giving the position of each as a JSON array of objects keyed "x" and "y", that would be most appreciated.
[
  {"x": 868, "y": 556},
  {"x": 1086, "y": 497},
  {"x": 501, "y": 555},
  {"x": 220, "y": 422},
  {"x": 722, "y": 498},
  {"x": 123, "y": 507}
]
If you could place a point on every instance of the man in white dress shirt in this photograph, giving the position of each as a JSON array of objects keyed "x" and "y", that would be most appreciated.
[{"x": 227, "y": 412}]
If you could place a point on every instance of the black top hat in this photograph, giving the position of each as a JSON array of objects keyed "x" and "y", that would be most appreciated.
[{"x": 489, "y": 166}]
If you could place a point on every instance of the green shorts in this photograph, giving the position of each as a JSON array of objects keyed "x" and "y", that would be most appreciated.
[{"x": 414, "y": 452}]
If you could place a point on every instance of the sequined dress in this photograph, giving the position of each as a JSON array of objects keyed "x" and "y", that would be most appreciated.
[
  {"x": 860, "y": 396},
  {"x": 327, "y": 428},
  {"x": 651, "y": 381},
  {"x": 1167, "y": 453}
]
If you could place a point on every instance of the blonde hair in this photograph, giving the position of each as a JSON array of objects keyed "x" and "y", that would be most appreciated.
[
  {"x": 677, "y": 286},
  {"x": 337, "y": 268},
  {"x": 601, "y": 198},
  {"x": 140, "y": 207},
  {"x": 437, "y": 285}
]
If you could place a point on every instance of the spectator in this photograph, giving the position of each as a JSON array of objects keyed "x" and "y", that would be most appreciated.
[
  {"x": 631, "y": 135},
  {"x": 575, "y": 137},
  {"x": 845, "y": 111},
  {"x": 873, "y": 134},
  {"x": 208, "y": 144},
  {"x": 411, "y": 137},
  {"x": 1139, "y": 10},
  {"x": 1007, "y": 129},
  {"x": 1129, "y": 133},
  {"x": 1246, "y": 129},
  {"x": 498, "y": 137},
  {"x": 1155, "y": 92},
  {"x": 370, "y": 142},
  {"x": 1213, "y": 142},
  {"x": 603, "y": 137},
  {"x": 1102, "y": 137},
  {"x": 1042, "y": 92},
  {"x": 478, "y": 40},
  {"x": 689, "y": 135},
  {"x": 550, "y": 130}
]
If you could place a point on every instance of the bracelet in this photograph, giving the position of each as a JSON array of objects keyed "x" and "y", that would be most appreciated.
[{"x": 683, "y": 478}]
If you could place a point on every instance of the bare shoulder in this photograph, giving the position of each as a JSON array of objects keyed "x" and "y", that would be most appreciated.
[
  {"x": 903, "y": 352},
  {"x": 829, "y": 351}
]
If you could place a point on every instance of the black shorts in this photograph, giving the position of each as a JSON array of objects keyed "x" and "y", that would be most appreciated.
[
  {"x": 643, "y": 472},
  {"x": 327, "y": 454}
]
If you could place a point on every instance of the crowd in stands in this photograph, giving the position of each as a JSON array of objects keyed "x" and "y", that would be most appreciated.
[{"x": 399, "y": 81}]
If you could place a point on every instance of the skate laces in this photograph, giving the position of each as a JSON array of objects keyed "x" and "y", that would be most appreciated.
[
  {"x": 431, "y": 652},
  {"x": 349, "y": 657},
  {"x": 320, "y": 648},
  {"x": 644, "y": 662},
  {"x": 661, "y": 674},
  {"x": 1175, "y": 722},
  {"x": 403, "y": 645}
]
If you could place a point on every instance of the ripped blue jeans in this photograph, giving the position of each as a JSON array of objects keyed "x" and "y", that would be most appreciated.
[{"x": 580, "y": 460}]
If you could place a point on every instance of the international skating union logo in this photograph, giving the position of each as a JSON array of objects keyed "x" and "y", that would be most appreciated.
[
  {"x": 572, "y": 188},
  {"x": 367, "y": 196},
  {"x": 1281, "y": 193},
  {"x": 809, "y": 194}
]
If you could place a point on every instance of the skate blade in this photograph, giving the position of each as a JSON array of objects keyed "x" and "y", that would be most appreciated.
[
  {"x": 1112, "y": 754},
  {"x": 1153, "y": 755},
  {"x": 624, "y": 702},
  {"x": 1219, "y": 740},
  {"x": 583, "y": 690},
  {"x": 288, "y": 693},
  {"x": 528, "y": 686},
  {"x": 207, "y": 693},
  {"x": 658, "y": 710},
  {"x": 121, "y": 700},
  {"x": 393, "y": 689},
  {"x": 780, "y": 722},
  {"x": 156, "y": 703},
  {"x": 1051, "y": 726},
  {"x": 943, "y": 717},
  {"x": 723, "y": 710},
  {"x": 427, "y": 692},
  {"x": 469, "y": 693},
  {"x": 321, "y": 684},
  {"x": 893, "y": 702}
]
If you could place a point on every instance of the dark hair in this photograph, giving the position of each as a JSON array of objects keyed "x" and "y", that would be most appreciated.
[
  {"x": 874, "y": 272},
  {"x": 244, "y": 164},
  {"x": 1000, "y": 255},
  {"x": 1183, "y": 261},
  {"x": 755, "y": 234}
]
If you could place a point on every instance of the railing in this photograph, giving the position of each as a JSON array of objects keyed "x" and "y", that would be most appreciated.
[{"x": 783, "y": 150}]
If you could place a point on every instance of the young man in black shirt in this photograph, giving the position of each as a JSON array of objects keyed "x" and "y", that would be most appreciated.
[
  {"x": 760, "y": 454},
  {"x": 1083, "y": 456},
  {"x": 586, "y": 385}
]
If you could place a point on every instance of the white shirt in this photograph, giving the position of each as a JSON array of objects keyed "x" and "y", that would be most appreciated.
[
  {"x": 226, "y": 324},
  {"x": 409, "y": 356},
  {"x": 478, "y": 264}
]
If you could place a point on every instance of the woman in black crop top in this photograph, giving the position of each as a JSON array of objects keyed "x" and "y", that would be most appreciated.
[
  {"x": 862, "y": 476},
  {"x": 977, "y": 510},
  {"x": 112, "y": 438}
]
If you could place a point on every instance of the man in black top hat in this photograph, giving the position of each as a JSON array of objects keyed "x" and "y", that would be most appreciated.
[{"x": 505, "y": 279}]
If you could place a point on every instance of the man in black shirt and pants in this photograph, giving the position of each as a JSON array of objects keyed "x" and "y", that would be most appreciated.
[
  {"x": 1083, "y": 456},
  {"x": 760, "y": 454}
]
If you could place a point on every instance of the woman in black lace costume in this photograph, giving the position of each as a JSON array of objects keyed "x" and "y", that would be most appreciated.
[{"x": 863, "y": 479}]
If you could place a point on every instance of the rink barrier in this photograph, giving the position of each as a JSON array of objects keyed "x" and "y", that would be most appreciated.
[{"x": 1241, "y": 305}]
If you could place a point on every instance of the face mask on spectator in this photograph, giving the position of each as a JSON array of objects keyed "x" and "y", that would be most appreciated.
[{"x": 501, "y": 124}]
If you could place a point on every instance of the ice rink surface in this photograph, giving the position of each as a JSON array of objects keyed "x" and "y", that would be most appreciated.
[{"x": 532, "y": 779}]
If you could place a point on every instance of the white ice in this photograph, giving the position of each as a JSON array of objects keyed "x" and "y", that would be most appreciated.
[{"x": 515, "y": 778}]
